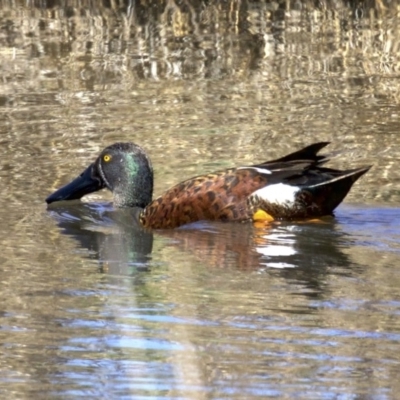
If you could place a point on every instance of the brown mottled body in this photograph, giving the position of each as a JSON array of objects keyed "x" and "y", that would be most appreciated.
[
  {"x": 221, "y": 196},
  {"x": 291, "y": 187},
  {"x": 230, "y": 196}
]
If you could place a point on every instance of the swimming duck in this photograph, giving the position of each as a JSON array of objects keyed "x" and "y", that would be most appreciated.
[{"x": 293, "y": 187}]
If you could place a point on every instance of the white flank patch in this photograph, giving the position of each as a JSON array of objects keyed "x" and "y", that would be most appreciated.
[
  {"x": 259, "y": 170},
  {"x": 278, "y": 193}
]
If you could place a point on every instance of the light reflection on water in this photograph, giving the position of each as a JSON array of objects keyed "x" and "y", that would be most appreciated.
[
  {"x": 264, "y": 339},
  {"x": 92, "y": 305},
  {"x": 202, "y": 309}
]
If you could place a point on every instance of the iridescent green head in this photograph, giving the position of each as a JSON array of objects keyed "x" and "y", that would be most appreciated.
[{"x": 123, "y": 168}]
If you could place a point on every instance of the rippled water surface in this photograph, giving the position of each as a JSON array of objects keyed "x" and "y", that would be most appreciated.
[{"x": 92, "y": 306}]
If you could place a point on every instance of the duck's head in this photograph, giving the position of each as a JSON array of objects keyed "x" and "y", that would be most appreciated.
[{"x": 123, "y": 168}]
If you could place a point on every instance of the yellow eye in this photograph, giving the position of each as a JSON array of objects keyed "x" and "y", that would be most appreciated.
[{"x": 107, "y": 158}]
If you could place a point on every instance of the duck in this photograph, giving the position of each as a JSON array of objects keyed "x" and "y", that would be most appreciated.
[{"x": 295, "y": 187}]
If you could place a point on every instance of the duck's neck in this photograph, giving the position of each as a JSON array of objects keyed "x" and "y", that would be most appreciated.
[
  {"x": 132, "y": 199},
  {"x": 135, "y": 189}
]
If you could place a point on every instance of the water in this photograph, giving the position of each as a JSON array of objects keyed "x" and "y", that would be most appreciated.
[{"x": 92, "y": 306}]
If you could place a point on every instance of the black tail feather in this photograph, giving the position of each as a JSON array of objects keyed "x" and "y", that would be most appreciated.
[
  {"x": 308, "y": 153},
  {"x": 329, "y": 194}
]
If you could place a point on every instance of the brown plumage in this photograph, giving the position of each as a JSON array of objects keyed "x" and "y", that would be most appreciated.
[
  {"x": 292, "y": 187},
  {"x": 221, "y": 196}
]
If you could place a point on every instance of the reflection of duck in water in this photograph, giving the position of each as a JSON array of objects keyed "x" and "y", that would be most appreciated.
[
  {"x": 302, "y": 252},
  {"x": 292, "y": 187},
  {"x": 308, "y": 248},
  {"x": 109, "y": 235}
]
